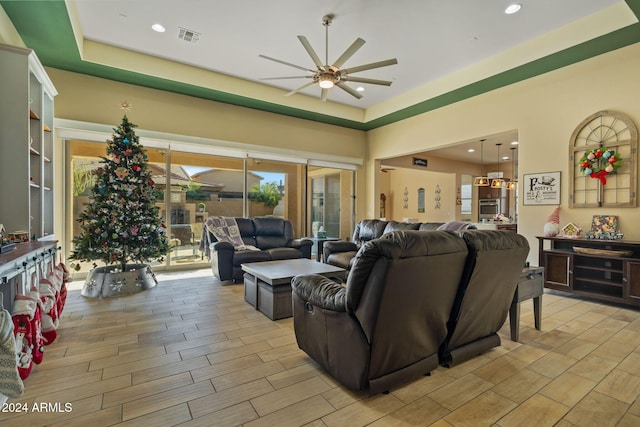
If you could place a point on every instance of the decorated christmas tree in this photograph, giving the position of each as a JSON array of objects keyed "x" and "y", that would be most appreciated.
[{"x": 122, "y": 222}]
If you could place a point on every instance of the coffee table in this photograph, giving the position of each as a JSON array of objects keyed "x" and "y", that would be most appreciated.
[{"x": 267, "y": 285}]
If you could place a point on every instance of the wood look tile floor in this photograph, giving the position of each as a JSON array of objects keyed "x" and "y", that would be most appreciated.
[{"x": 192, "y": 352}]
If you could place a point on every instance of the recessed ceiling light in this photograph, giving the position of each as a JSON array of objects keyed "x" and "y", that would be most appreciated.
[
  {"x": 360, "y": 89},
  {"x": 513, "y": 8},
  {"x": 158, "y": 28},
  {"x": 471, "y": 150},
  {"x": 505, "y": 157},
  {"x": 514, "y": 142}
]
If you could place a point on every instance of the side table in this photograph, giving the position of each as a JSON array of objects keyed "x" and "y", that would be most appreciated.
[
  {"x": 530, "y": 285},
  {"x": 319, "y": 241}
]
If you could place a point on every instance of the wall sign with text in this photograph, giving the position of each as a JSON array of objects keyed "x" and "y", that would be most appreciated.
[{"x": 541, "y": 188}]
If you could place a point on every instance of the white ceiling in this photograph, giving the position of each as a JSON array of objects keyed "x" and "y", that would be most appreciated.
[{"x": 430, "y": 38}]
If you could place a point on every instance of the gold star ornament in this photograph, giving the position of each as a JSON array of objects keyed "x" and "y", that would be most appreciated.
[{"x": 126, "y": 106}]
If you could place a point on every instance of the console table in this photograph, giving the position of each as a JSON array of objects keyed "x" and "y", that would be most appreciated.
[{"x": 606, "y": 270}]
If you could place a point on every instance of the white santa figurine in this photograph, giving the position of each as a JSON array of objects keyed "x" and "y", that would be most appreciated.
[{"x": 552, "y": 226}]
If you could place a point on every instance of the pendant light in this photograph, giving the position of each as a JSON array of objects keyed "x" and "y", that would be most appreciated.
[
  {"x": 481, "y": 181},
  {"x": 498, "y": 182},
  {"x": 513, "y": 184}
]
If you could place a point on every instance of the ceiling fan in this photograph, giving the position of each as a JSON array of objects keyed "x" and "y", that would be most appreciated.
[{"x": 327, "y": 76}]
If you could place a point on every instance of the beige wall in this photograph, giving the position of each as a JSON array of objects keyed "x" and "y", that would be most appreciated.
[
  {"x": 94, "y": 100},
  {"x": 412, "y": 180},
  {"x": 544, "y": 110}
]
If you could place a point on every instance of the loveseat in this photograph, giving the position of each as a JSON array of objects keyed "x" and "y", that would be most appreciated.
[
  {"x": 342, "y": 253},
  {"x": 412, "y": 300},
  {"x": 267, "y": 239}
]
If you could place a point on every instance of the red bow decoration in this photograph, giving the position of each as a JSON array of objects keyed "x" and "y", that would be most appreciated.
[{"x": 600, "y": 175}]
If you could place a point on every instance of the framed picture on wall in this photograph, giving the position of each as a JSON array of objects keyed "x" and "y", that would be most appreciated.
[{"x": 541, "y": 188}]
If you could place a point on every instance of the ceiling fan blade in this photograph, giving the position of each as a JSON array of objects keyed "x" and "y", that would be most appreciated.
[
  {"x": 323, "y": 96},
  {"x": 286, "y": 63},
  {"x": 299, "y": 89},
  {"x": 348, "y": 53},
  {"x": 311, "y": 52},
  {"x": 283, "y": 78},
  {"x": 370, "y": 66},
  {"x": 350, "y": 91},
  {"x": 365, "y": 80}
]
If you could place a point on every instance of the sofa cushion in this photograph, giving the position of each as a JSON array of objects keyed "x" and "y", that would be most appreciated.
[
  {"x": 244, "y": 257},
  {"x": 430, "y": 226},
  {"x": 368, "y": 229},
  {"x": 400, "y": 226},
  {"x": 272, "y": 232},
  {"x": 247, "y": 230},
  {"x": 283, "y": 253}
]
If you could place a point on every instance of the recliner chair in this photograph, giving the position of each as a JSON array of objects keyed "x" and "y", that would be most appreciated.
[
  {"x": 495, "y": 261},
  {"x": 413, "y": 299},
  {"x": 387, "y": 324}
]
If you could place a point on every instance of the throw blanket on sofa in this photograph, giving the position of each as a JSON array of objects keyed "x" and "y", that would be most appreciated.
[{"x": 224, "y": 229}]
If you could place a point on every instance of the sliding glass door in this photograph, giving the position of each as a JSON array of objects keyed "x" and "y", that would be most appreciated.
[
  {"x": 196, "y": 186},
  {"x": 331, "y": 201}
]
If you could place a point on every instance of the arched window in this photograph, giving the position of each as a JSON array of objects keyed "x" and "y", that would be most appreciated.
[{"x": 616, "y": 132}]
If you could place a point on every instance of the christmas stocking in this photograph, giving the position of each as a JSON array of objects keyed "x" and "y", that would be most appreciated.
[
  {"x": 10, "y": 382},
  {"x": 36, "y": 323},
  {"x": 49, "y": 311},
  {"x": 62, "y": 295},
  {"x": 23, "y": 309}
]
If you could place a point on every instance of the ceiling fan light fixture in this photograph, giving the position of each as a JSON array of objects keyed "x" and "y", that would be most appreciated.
[{"x": 325, "y": 82}]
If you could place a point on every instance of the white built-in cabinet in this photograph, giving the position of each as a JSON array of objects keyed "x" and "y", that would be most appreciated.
[{"x": 26, "y": 143}]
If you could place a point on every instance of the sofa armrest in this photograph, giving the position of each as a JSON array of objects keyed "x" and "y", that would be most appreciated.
[
  {"x": 221, "y": 246},
  {"x": 320, "y": 291},
  {"x": 333, "y": 246},
  {"x": 303, "y": 245},
  {"x": 300, "y": 243}
]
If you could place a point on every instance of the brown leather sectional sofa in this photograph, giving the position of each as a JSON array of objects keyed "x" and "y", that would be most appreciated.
[
  {"x": 412, "y": 300},
  {"x": 342, "y": 253}
]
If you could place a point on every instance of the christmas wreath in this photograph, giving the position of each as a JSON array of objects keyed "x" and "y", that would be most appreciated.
[{"x": 599, "y": 163}]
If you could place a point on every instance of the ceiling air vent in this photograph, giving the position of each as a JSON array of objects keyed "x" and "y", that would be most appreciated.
[{"x": 188, "y": 35}]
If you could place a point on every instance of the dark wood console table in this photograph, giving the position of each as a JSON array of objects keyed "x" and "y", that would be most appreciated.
[{"x": 606, "y": 270}]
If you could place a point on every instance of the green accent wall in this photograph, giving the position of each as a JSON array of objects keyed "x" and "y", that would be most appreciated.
[{"x": 45, "y": 27}]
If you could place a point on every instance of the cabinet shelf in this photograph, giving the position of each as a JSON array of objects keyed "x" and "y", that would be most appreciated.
[
  {"x": 29, "y": 158},
  {"x": 599, "y": 282},
  {"x": 589, "y": 267}
]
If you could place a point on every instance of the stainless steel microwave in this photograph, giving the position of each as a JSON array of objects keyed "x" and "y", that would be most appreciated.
[{"x": 488, "y": 208}]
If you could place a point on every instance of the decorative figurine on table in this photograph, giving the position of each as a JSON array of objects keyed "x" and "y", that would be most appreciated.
[
  {"x": 604, "y": 227},
  {"x": 552, "y": 226},
  {"x": 5, "y": 244},
  {"x": 571, "y": 231}
]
